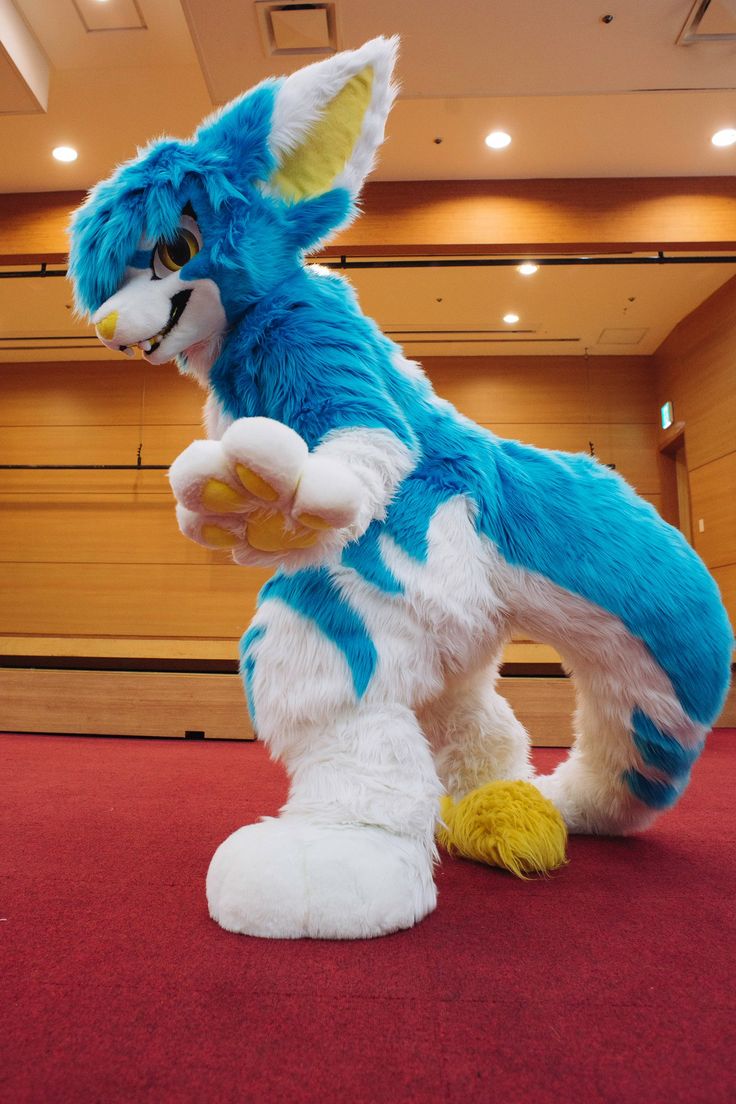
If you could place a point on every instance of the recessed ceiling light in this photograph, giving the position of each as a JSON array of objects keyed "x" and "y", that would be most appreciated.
[
  {"x": 498, "y": 139},
  {"x": 511, "y": 318},
  {"x": 528, "y": 268},
  {"x": 64, "y": 153},
  {"x": 725, "y": 137}
]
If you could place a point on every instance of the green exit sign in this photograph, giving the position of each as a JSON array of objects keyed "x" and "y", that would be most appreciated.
[{"x": 667, "y": 416}]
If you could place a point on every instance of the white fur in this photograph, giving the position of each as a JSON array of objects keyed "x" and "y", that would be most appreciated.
[
  {"x": 193, "y": 469},
  {"x": 292, "y": 877},
  {"x": 475, "y": 735},
  {"x": 348, "y": 480},
  {"x": 614, "y": 674},
  {"x": 305, "y": 94},
  {"x": 271, "y": 449},
  {"x": 144, "y": 305},
  {"x": 352, "y": 853},
  {"x": 329, "y": 489}
]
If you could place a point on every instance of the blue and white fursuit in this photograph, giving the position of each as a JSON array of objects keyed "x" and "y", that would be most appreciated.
[{"x": 409, "y": 544}]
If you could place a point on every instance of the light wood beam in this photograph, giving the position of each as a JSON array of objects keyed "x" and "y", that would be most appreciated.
[{"x": 465, "y": 218}]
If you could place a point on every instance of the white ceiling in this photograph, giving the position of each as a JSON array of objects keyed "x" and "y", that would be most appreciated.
[{"x": 581, "y": 98}]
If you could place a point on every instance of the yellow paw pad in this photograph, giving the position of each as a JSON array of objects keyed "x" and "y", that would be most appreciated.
[
  {"x": 506, "y": 824},
  {"x": 256, "y": 484},
  {"x": 313, "y": 521},
  {"x": 269, "y": 534},
  {"x": 222, "y": 499},
  {"x": 220, "y": 538}
]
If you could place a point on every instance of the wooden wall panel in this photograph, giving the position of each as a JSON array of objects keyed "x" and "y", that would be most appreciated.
[
  {"x": 123, "y": 703},
  {"x": 121, "y": 599},
  {"x": 696, "y": 371},
  {"x": 713, "y": 492},
  {"x": 92, "y": 393},
  {"x": 95, "y": 556},
  {"x": 562, "y": 403},
  {"x": 466, "y": 216},
  {"x": 97, "y": 528}
]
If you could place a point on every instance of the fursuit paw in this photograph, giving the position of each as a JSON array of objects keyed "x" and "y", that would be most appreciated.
[
  {"x": 291, "y": 879},
  {"x": 262, "y": 494},
  {"x": 506, "y": 824}
]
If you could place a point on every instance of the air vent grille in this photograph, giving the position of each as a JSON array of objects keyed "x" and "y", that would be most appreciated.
[
  {"x": 709, "y": 21},
  {"x": 297, "y": 30}
]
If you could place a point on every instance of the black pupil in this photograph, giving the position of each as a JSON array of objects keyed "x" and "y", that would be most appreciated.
[{"x": 179, "y": 250}]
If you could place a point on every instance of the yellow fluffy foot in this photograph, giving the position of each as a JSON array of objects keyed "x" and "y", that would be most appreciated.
[{"x": 507, "y": 824}]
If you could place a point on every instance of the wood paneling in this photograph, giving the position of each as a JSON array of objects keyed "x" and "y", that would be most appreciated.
[
  {"x": 123, "y": 703},
  {"x": 561, "y": 390},
  {"x": 696, "y": 371},
  {"x": 102, "y": 529},
  {"x": 562, "y": 403},
  {"x": 127, "y": 599},
  {"x": 477, "y": 216},
  {"x": 97, "y": 556},
  {"x": 544, "y": 706},
  {"x": 713, "y": 490},
  {"x": 123, "y": 648},
  {"x": 127, "y": 703},
  {"x": 90, "y": 392}
]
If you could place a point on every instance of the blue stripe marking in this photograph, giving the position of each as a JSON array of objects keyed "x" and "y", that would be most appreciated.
[
  {"x": 660, "y": 750},
  {"x": 248, "y": 665},
  {"x": 313, "y": 594},
  {"x": 655, "y": 794},
  {"x": 364, "y": 556}
]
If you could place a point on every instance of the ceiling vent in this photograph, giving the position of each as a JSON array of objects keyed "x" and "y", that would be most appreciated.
[
  {"x": 115, "y": 15},
  {"x": 299, "y": 30},
  {"x": 622, "y": 336},
  {"x": 709, "y": 21}
]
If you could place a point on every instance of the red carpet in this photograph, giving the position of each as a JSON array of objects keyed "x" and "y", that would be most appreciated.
[{"x": 611, "y": 981}]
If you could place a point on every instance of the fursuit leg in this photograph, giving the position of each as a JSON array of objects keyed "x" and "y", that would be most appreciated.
[
  {"x": 475, "y": 736},
  {"x": 351, "y": 854},
  {"x": 491, "y": 812}
]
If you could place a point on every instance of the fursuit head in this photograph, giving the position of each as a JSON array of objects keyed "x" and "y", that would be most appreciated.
[{"x": 409, "y": 545}]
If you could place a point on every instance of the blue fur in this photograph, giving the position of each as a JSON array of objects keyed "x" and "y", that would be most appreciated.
[
  {"x": 248, "y": 666},
  {"x": 652, "y": 792},
  {"x": 364, "y": 556},
  {"x": 251, "y": 240},
  {"x": 666, "y": 755},
  {"x": 563, "y": 516},
  {"x": 313, "y": 594},
  {"x": 299, "y": 350},
  {"x": 660, "y": 750}
]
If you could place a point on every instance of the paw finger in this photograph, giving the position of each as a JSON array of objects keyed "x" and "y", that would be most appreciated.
[
  {"x": 202, "y": 480},
  {"x": 210, "y": 531},
  {"x": 267, "y": 456},
  {"x": 270, "y": 533},
  {"x": 328, "y": 496}
]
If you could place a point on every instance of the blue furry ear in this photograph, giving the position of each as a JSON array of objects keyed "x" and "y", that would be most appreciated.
[
  {"x": 237, "y": 137},
  {"x": 311, "y": 221}
]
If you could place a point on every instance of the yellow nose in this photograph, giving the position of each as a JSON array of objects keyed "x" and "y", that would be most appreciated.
[{"x": 106, "y": 328}]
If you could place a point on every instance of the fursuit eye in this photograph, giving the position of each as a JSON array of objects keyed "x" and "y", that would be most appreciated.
[{"x": 170, "y": 256}]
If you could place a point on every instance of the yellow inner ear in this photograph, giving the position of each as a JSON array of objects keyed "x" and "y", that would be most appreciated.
[{"x": 311, "y": 169}]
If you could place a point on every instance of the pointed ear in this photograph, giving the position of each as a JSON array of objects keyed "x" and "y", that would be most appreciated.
[{"x": 329, "y": 121}]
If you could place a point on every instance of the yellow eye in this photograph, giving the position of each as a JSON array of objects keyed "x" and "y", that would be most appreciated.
[{"x": 175, "y": 254}]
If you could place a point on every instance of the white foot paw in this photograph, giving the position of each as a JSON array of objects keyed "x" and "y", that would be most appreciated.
[
  {"x": 290, "y": 878},
  {"x": 260, "y": 493}
]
